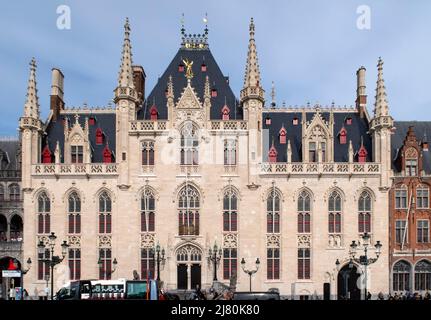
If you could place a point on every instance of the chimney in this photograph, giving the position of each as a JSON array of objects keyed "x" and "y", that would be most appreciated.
[
  {"x": 57, "y": 93},
  {"x": 361, "y": 96},
  {"x": 425, "y": 145},
  {"x": 139, "y": 81}
]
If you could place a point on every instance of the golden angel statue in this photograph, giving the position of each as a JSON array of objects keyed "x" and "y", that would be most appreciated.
[{"x": 189, "y": 71}]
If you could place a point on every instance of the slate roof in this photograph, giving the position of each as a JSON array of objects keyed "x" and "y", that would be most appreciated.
[
  {"x": 421, "y": 129},
  {"x": 10, "y": 150},
  {"x": 216, "y": 78},
  {"x": 359, "y": 128},
  {"x": 55, "y": 132}
]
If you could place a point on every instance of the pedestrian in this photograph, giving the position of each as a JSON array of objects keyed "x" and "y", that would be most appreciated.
[
  {"x": 12, "y": 294},
  {"x": 24, "y": 294},
  {"x": 380, "y": 296},
  {"x": 369, "y": 295}
]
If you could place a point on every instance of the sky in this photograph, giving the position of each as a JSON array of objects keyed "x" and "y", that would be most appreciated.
[{"x": 311, "y": 49}]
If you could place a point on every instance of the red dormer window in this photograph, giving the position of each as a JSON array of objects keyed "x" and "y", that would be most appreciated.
[
  {"x": 91, "y": 121},
  {"x": 99, "y": 136},
  {"x": 272, "y": 154},
  {"x": 180, "y": 67},
  {"x": 46, "y": 155},
  {"x": 214, "y": 92},
  {"x": 107, "y": 154},
  {"x": 225, "y": 112},
  {"x": 166, "y": 92},
  {"x": 343, "y": 136},
  {"x": 282, "y": 135},
  {"x": 268, "y": 121},
  {"x": 349, "y": 121},
  {"x": 153, "y": 113},
  {"x": 204, "y": 67},
  {"x": 295, "y": 121},
  {"x": 362, "y": 154}
]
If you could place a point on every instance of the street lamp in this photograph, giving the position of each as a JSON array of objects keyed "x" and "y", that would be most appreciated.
[
  {"x": 214, "y": 255},
  {"x": 159, "y": 256},
  {"x": 364, "y": 260},
  {"x": 108, "y": 274},
  {"x": 250, "y": 272},
  {"x": 52, "y": 261}
]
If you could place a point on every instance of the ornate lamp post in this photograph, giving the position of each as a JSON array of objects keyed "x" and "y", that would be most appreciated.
[
  {"x": 250, "y": 272},
  {"x": 159, "y": 256},
  {"x": 363, "y": 260},
  {"x": 108, "y": 274},
  {"x": 28, "y": 266},
  {"x": 53, "y": 260},
  {"x": 214, "y": 255}
]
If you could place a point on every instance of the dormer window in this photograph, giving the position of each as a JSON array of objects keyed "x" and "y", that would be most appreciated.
[
  {"x": 153, "y": 113},
  {"x": 272, "y": 154},
  {"x": 411, "y": 164},
  {"x": 343, "y": 135},
  {"x": 99, "y": 136},
  {"x": 349, "y": 121},
  {"x": 213, "y": 92},
  {"x": 180, "y": 67},
  {"x": 46, "y": 155},
  {"x": 295, "y": 121},
  {"x": 92, "y": 121},
  {"x": 362, "y": 154},
  {"x": 107, "y": 155},
  {"x": 282, "y": 135},
  {"x": 204, "y": 67},
  {"x": 225, "y": 112},
  {"x": 268, "y": 121},
  {"x": 77, "y": 154}
]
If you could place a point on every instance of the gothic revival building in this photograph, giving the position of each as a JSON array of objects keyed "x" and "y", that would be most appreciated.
[{"x": 190, "y": 165}]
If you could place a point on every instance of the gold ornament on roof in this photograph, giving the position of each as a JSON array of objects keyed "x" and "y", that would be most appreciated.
[{"x": 189, "y": 71}]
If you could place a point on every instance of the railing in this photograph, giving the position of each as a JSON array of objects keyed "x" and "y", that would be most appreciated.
[
  {"x": 10, "y": 246},
  {"x": 75, "y": 169},
  {"x": 10, "y": 174},
  {"x": 145, "y": 125},
  {"x": 190, "y": 169},
  {"x": 320, "y": 168},
  {"x": 229, "y": 125}
]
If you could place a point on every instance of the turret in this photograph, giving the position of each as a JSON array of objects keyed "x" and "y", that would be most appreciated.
[
  {"x": 361, "y": 95},
  {"x": 57, "y": 93}
]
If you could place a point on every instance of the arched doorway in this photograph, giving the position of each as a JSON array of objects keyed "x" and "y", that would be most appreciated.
[
  {"x": 347, "y": 283},
  {"x": 189, "y": 265},
  {"x": 8, "y": 263}
]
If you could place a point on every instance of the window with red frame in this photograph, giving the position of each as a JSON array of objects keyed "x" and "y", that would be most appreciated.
[
  {"x": 334, "y": 208},
  {"x": 105, "y": 265},
  {"x": 273, "y": 263},
  {"x": 91, "y": 121},
  {"x": 214, "y": 93},
  {"x": 148, "y": 208},
  {"x": 343, "y": 136},
  {"x": 107, "y": 154},
  {"x": 273, "y": 212},
  {"x": 349, "y": 121},
  {"x": 74, "y": 213},
  {"x": 204, "y": 67},
  {"x": 154, "y": 113},
  {"x": 43, "y": 214},
  {"x": 230, "y": 262},
  {"x": 364, "y": 215},
  {"x": 272, "y": 154},
  {"x": 105, "y": 213},
  {"x": 43, "y": 272},
  {"x": 282, "y": 135},
  {"x": 225, "y": 113},
  {"x": 230, "y": 210},
  {"x": 304, "y": 217},
  {"x": 268, "y": 121},
  {"x": 295, "y": 121},
  {"x": 180, "y": 67},
  {"x": 304, "y": 263},
  {"x": 147, "y": 264},
  {"x": 75, "y": 264},
  {"x": 46, "y": 155},
  {"x": 99, "y": 136}
]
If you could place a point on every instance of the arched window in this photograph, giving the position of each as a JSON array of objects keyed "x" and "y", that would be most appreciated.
[
  {"x": 147, "y": 263},
  {"x": 43, "y": 214},
  {"x": 189, "y": 145},
  {"x": 14, "y": 192},
  {"x": 273, "y": 212},
  {"x": 422, "y": 197},
  {"x": 304, "y": 217},
  {"x": 148, "y": 208},
  {"x": 105, "y": 213},
  {"x": 3, "y": 228},
  {"x": 16, "y": 228},
  {"x": 401, "y": 197},
  {"x": 423, "y": 275},
  {"x": 1, "y": 192},
  {"x": 364, "y": 212},
  {"x": 188, "y": 211},
  {"x": 411, "y": 162},
  {"x": 230, "y": 210},
  {"x": 74, "y": 213},
  {"x": 334, "y": 209},
  {"x": 401, "y": 276}
]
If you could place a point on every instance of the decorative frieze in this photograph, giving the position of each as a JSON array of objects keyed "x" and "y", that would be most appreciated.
[
  {"x": 105, "y": 241},
  {"x": 304, "y": 241},
  {"x": 74, "y": 241},
  {"x": 230, "y": 240},
  {"x": 147, "y": 240},
  {"x": 273, "y": 241}
]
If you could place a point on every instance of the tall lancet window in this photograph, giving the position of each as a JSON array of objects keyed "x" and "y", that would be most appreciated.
[
  {"x": 230, "y": 210},
  {"x": 105, "y": 213},
  {"x": 188, "y": 211},
  {"x": 304, "y": 210},
  {"x": 364, "y": 215},
  {"x": 189, "y": 144},
  {"x": 148, "y": 208},
  {"x": 334, "y": 209},
  {"x": 273, "y": 211},
  {"x": 74, "y": 213},
  {"x": 44, "y": 214}
]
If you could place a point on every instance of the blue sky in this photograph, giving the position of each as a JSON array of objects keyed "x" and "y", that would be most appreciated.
[{"x": 311, "y": 49}]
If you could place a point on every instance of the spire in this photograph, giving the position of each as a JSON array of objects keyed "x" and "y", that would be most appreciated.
[
  {"x": 31, "y": 107},
  {"x": 125, "y": 78},
  {"x": 252, "y": 72},
  {"x": 381, "y": 107}
]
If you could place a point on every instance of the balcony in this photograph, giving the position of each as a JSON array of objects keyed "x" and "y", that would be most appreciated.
[
  {"x": 76, "y": 169},
  {"x": 229, "y": 125},
  {"x": 320, "y": 168},
  {"x": 146, "y": 126}
]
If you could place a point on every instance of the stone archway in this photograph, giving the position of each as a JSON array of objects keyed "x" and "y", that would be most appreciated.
[
  {"x": 347, "y": 283},
  {"x": 189, "y": 267},
  {"x": 8, "y": 263}
]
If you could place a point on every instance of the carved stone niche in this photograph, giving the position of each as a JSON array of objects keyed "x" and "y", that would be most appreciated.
[{"x": 334, "y": 241}]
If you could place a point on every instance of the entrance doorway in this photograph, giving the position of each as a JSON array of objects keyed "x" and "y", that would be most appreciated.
[
  {"x": 8, "y": 263},
  {"x": 189, "y": 261},
  {"x": 348, "y": 285}
]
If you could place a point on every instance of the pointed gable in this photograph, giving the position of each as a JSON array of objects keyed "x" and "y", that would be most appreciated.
[
  {"x": 272, "y": 153},
  {"x": 46, "y": 155},
  {"x": 282, "y": 134}
]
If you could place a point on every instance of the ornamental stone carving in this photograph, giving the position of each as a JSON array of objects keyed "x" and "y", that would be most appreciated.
[
  {"x": 147, "y": 240},
  {"x": 74, "y": 241},
  {"x": 304, "y": 241},
  {"x": 230, "y": 240},
  {"x": 273, "y": 241},
  {"x": 105, "y": 241},
  {"x": 334, "y": 241}
]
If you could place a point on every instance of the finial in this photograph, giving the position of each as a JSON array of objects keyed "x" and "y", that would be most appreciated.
[
  {"x": 251, "y": 28},
  {"x": 127, "y": 28}
]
